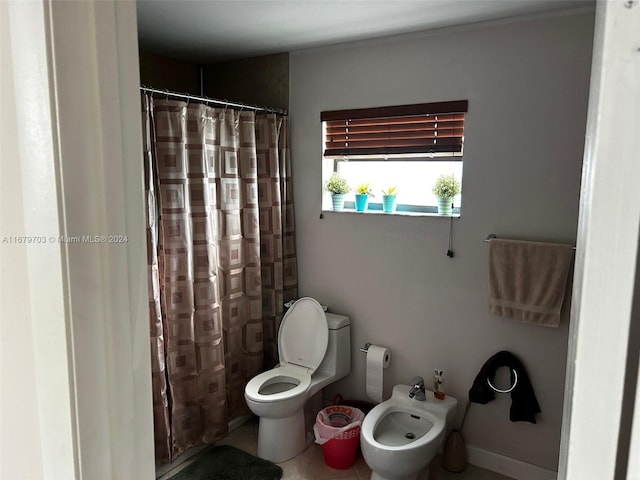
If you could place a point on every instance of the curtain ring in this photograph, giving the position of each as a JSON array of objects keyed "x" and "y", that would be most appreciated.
[
  {"x": 166, "y": 91},
  {"x": 515, "y": 382}
]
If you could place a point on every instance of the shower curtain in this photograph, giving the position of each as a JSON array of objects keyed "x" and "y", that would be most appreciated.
[{"x": 221, "y": 261}]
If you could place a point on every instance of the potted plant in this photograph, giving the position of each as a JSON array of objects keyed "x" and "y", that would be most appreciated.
[
  {"x": 362, "y": 196},
  {"x": 337, "y": 186},
  {"x": 389, "y": 199},
  {"x": 445, "y": 189}
]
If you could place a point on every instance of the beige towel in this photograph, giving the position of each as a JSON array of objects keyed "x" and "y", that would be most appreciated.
[{"x": 528, "y": 280}]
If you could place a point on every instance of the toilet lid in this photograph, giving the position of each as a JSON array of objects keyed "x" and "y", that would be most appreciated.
[{"x": 304, "y": 335}]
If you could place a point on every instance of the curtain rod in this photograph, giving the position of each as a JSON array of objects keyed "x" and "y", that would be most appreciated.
[{"x": 208, "y": 100}]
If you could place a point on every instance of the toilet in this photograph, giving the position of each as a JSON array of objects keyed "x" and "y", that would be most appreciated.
[
  {"x": 400, "y": 436},
  {"x": 314, "y": 349}
]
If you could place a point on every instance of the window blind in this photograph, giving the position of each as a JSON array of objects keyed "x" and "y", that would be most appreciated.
[{"x": 420, "y": 128}]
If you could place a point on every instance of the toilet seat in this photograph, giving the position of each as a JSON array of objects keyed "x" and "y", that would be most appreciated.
[
  {"x": 282, "y": 374},
  {"x": 302, "y": 344}
]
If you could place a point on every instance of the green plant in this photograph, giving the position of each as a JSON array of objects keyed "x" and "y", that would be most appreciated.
[
  {"x": 337, "y": 185},
  {"x": 446, "y": 186},
  {"x": 364, "y": 189},
  {"x": 390, "y": 191}
]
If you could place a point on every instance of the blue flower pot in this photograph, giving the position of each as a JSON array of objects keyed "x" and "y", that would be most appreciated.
[
  {"x": 388, "y": 203},
  {"x": 361, "y": 202}
]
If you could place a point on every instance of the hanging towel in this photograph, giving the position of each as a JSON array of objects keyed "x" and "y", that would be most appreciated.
[
  {"x": 524, "y": 404},
  {"x": 528, "y": 280}
]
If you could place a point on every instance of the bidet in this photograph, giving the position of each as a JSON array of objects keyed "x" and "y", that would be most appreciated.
[{"x": 401, "y": 435}]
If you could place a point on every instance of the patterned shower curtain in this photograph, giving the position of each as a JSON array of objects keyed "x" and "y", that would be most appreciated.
[{"x": 221, "y": 258}]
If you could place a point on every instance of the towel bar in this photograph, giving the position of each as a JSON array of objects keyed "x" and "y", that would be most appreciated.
[
  {"x": 515, "y": 382},
  {"x": 491, "y": 236}
]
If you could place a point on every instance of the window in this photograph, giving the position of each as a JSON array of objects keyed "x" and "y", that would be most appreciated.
[{"x": 406, "y": 146}]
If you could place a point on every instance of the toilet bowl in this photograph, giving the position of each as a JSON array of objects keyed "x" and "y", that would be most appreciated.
[
  {"x": 400, "y": 436},
  {"x": 314, "y": 350}
]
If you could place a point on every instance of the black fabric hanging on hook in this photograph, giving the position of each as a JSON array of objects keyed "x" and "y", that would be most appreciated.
[{"x": 524, "y": 404}]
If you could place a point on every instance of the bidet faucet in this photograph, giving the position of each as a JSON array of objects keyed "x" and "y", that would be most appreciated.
[{"x": 417, "y": 389}]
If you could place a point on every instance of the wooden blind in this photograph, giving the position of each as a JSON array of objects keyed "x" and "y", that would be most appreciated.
[{"x": 420, "y": 128}]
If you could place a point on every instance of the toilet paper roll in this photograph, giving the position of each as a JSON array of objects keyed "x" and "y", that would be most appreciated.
[{"x": 378, "y": 358}]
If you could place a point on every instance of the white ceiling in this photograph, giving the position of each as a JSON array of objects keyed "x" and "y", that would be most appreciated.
[{"x": 206, "y": 31}]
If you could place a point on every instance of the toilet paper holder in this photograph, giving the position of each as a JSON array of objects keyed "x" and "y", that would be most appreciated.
[{"x": 366, "y": 347}]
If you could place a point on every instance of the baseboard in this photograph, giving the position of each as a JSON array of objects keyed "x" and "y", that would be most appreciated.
[{"x": 508, "y": 466}]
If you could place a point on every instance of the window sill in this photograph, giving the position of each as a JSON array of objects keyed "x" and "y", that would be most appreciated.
[{"x": 396, "y": 213}]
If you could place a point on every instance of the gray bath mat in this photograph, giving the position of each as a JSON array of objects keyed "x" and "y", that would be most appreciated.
[{"x": 229, "y": 463}]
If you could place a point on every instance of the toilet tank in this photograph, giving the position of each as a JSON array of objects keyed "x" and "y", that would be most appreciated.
[{"x": 337, "y": 360}]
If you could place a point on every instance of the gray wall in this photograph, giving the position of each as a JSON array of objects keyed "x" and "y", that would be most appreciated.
[{"x": 527, "y": 85}]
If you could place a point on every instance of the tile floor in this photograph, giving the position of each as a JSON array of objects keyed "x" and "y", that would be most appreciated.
[{"x": 310, "y": 464}]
